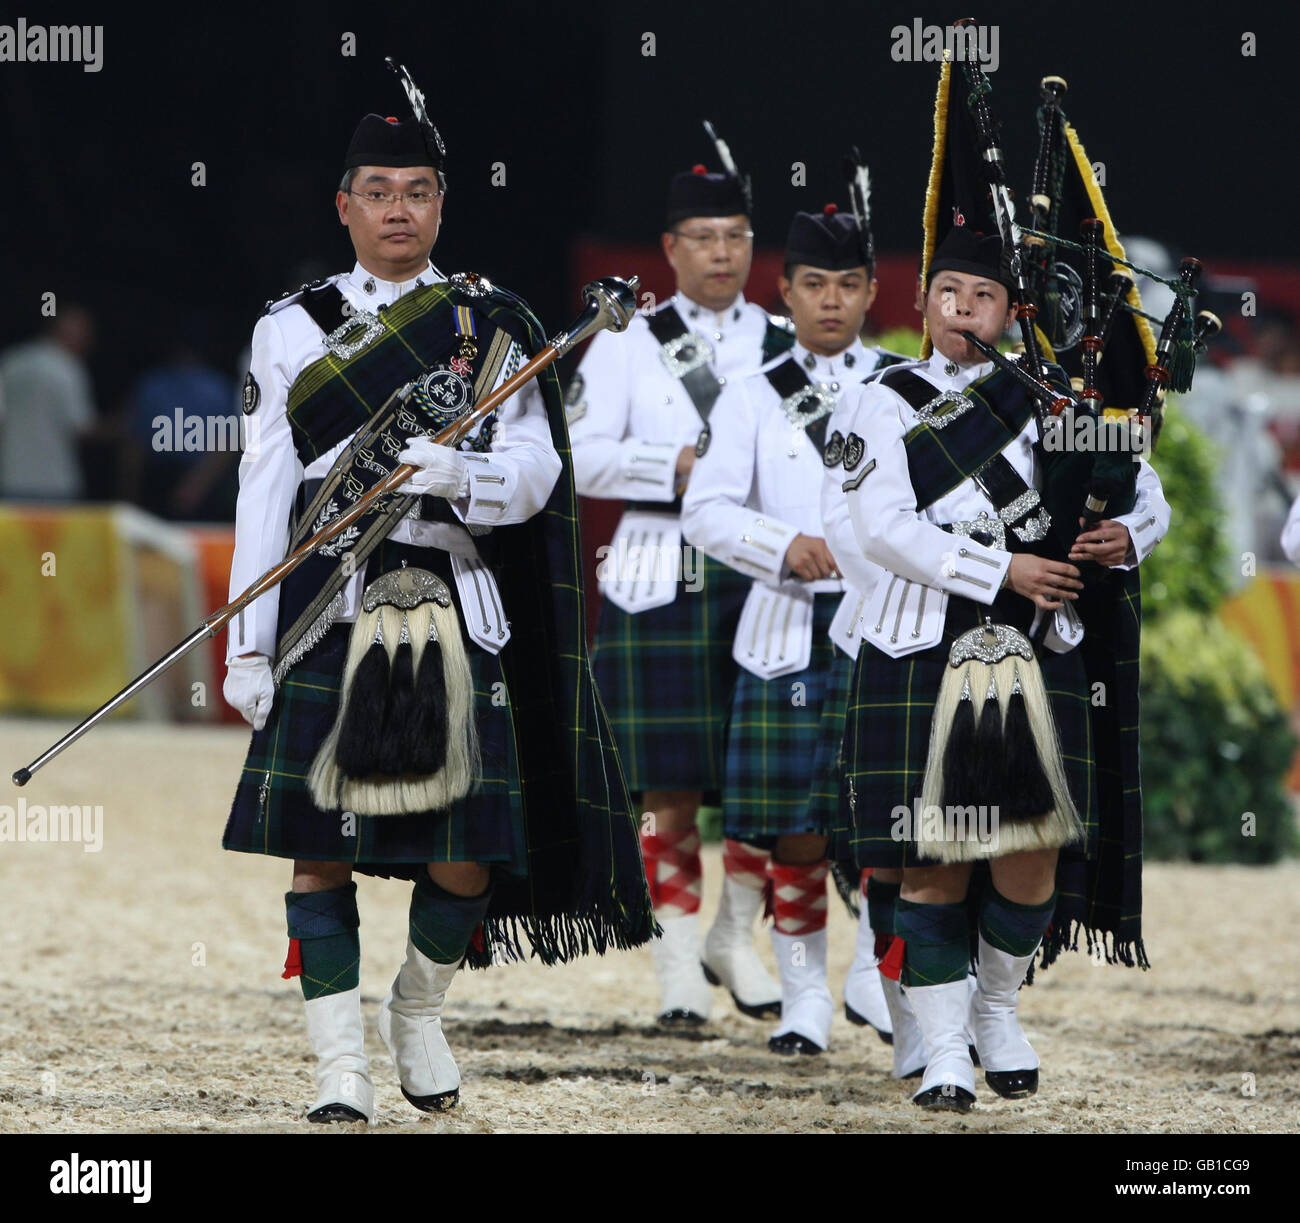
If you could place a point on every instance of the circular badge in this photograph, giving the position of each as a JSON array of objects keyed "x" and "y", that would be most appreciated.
[
  {"x": 834, "y": 449},
  {"x": 854, "y": 449},
  {"x": 442, "y": 394},
  {"x": 251, "y": 395}
]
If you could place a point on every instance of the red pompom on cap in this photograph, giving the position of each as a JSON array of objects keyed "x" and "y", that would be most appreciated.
[
  {"x": 699, "y": 169},
  {"x": 392, "y": 119},
  {"x": 831, "y": 209}
]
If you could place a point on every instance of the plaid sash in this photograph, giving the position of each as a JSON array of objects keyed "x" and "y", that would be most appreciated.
[{"x": 333, "y": 397}]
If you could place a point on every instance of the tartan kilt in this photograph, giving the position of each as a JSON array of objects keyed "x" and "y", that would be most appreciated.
[
  {"x": 782, "y": 774},
  {"x": 486, "y": 826},
  {"x": 887, "y": 733},
  {"x": 666, "y": 676}
]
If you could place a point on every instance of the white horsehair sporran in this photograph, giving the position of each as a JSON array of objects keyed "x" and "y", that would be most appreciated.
[
  {"x": 994, "y": 746},
  {"x": 405, "y": 739}
]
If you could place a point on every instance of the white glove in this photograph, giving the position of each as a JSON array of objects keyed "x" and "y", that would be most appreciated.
[
  {"x": 443, "y": 471},
  {"x": 249, "y": 689}
]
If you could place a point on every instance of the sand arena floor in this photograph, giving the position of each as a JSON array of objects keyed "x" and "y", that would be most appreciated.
[{"x": 140, "y": 991}]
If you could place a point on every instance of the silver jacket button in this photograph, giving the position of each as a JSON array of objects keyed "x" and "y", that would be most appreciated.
[{"x": 369, "y": 286}]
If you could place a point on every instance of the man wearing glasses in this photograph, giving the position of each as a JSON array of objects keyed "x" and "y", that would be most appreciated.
[
  {"x": 354, "y": 749},
  {"x": 662, "y": 656}
]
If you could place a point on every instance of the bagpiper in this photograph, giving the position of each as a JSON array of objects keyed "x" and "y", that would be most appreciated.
[
  {"x": 977, "y": 758},
  {"x": 419, "y": 689},
  {"x": 662, "y": 652}
]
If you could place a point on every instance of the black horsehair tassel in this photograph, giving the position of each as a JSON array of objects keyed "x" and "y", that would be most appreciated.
[
  {"x": 987, "y": 782},
  {"x": 399, "y": 708},
  {"x": 959, "y": 752},
  {"x": 360, "y": 736},
  {"x": 1029, "y": 794},
  {"x": 427, "y": 747}
]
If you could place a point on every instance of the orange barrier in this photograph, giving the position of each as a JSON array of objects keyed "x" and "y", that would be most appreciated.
[{"x": 1267, "y": 614}]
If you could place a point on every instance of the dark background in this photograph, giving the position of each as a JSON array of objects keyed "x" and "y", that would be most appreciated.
[{"x": 98, "y": 207}]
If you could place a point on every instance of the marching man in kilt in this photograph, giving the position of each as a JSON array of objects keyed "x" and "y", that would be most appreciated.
[
  {"x": 754, "y": 502},
  {"x": 976, "y": 758},
  {"x": 662, "y": 653},
  {"x": 419, "y": 690}
]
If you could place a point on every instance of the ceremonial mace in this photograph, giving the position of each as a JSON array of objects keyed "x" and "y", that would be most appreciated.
[{"x": 610, "y": 304}]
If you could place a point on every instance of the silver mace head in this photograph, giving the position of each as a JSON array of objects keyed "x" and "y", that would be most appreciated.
[{"x": 610, "y": 304}]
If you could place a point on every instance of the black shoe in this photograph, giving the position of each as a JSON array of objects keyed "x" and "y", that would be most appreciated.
[
  {"x": 946, "y": 1096},
  {"x": 1012, "y": 1084},
  {"x": 434, "y": 1104},
  {"x": 680, "y": 1018},
  {"x": 334, "y": 1112},
  {"x": 790, "y": 1043},
  {"x": 761, "y": 1010},
  {"x": 863, "y": 1022}
]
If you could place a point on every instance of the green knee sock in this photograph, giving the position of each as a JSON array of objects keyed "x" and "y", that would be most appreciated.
[
  {"x": 442, "y": 923},
  {"x": 937, "y": 941},
  {"x": 326, "y": 925},
  {"x": 1014, "y": 928}
]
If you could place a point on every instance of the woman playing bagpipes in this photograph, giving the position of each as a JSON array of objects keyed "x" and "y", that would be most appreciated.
[{"x": 990, "y": 748}]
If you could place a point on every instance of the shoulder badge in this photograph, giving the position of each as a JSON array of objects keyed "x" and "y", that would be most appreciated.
[
  {"x": 575, "y": 407},
  {"x": 834, "y": 449},
  {"x": 251, "y": 395},
  {"x": 854, "y": 449}
]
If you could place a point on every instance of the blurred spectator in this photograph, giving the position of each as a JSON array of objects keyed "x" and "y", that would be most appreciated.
[
  {"x": 1251, "y": 408},
  {"x": 181, "y": 428},
  {"x": 46, "y": 404}
]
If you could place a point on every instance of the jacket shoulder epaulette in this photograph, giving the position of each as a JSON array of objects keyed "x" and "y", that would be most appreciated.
[
  {"x": 276, "y": 304},
  {"x": 781, "y": 323}
]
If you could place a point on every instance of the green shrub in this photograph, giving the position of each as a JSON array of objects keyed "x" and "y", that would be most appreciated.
[
  {"x": 1189, "y": 571},
  {"x": 1215, "y": 745}
]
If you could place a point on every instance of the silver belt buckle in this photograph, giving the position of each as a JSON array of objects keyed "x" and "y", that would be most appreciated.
[
  {"x": 373, "y": 328},
  {"x": 824, "y": 400},
  {"x": 684, "y": 354},
  {"x": 938, "y": 415},
  {"x": 983, "y": 525}
]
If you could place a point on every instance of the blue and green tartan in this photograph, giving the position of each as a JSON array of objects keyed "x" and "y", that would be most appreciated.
[
  {"x": 666, "y": 676},
  {"x": 783, "y": 745}
]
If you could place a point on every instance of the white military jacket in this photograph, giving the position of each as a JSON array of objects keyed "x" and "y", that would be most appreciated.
[
  {"x": 506, "y": 485},
  {"x": 629, "y": 419},
  {"x": 755, "y": 488},
  {"x": 870, "y": 513}
]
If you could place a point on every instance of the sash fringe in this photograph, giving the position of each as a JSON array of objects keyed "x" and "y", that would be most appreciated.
[
  {"x": 557, "y": 938},
  {"x": 1131, "y": 952}
]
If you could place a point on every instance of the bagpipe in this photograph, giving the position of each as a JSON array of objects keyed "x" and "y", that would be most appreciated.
[{"x": 1077, "y": 301}]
